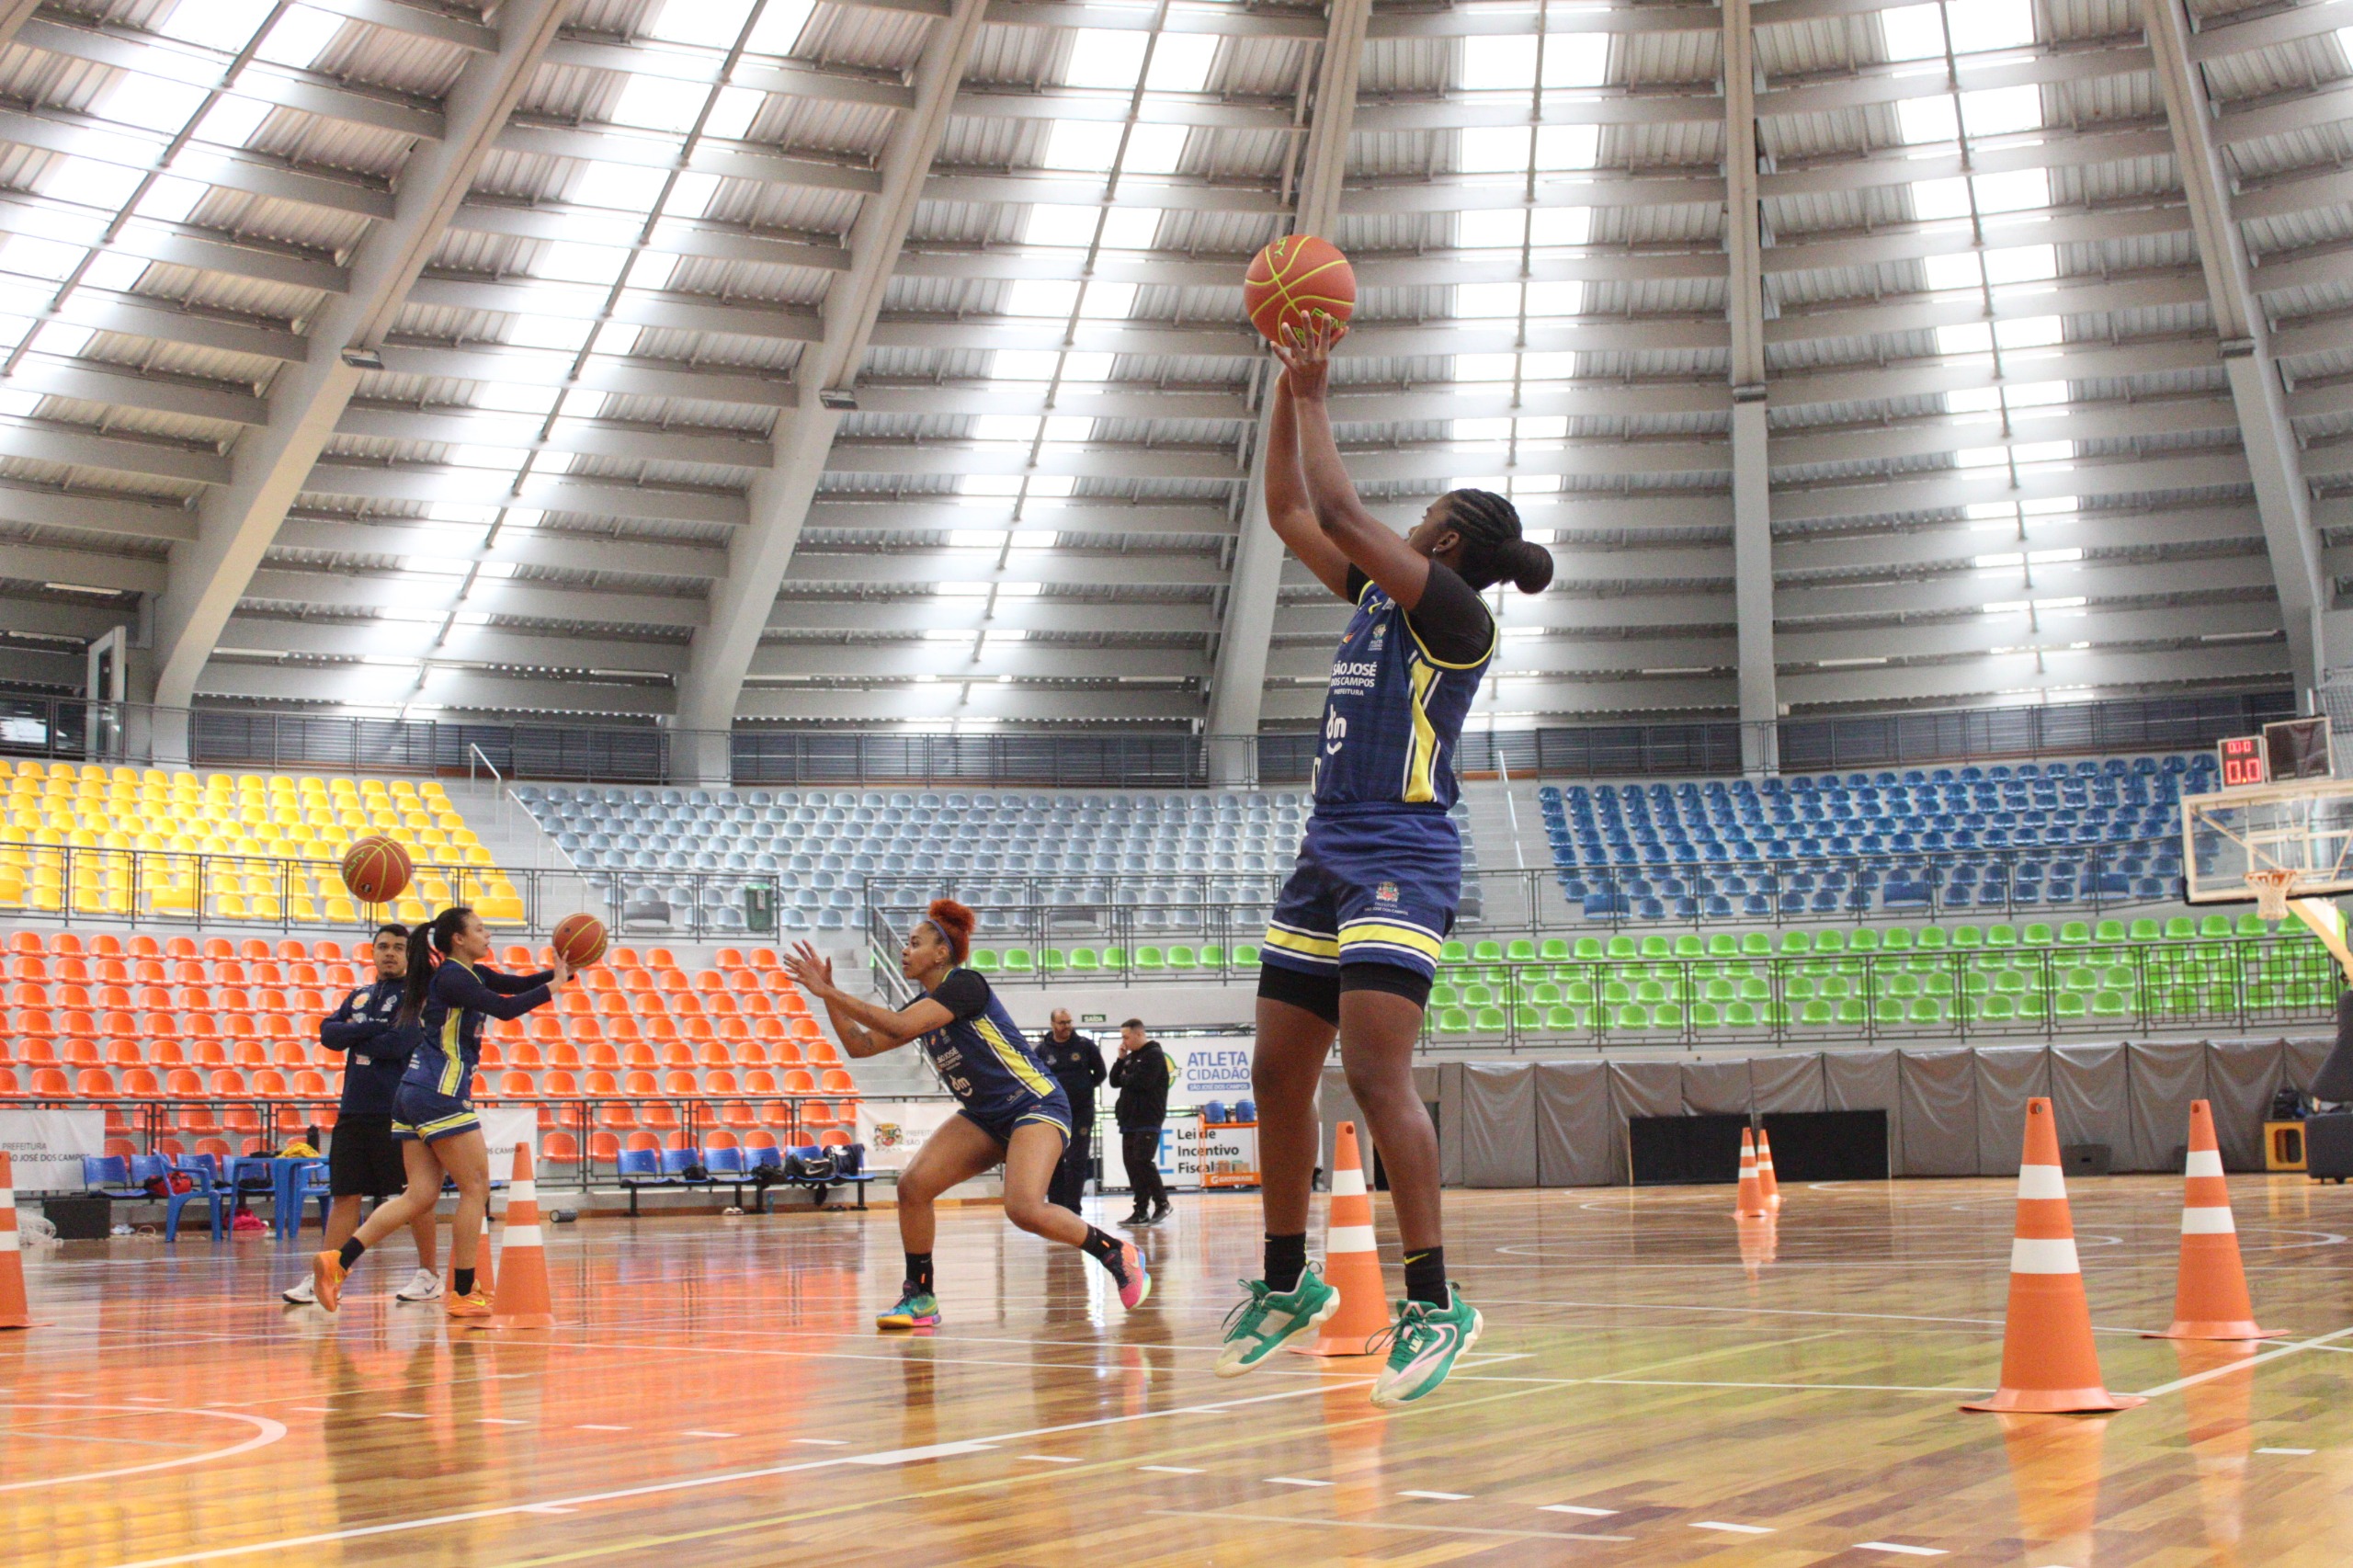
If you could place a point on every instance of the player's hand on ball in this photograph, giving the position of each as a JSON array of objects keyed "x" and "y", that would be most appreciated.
[
  {"x": 562, "y": 970},
  {"x": 1306, "y": 352}
]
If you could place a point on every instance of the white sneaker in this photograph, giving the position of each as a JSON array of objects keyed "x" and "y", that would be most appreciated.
[
  {"x": 422, "y": 1285},
  {"x": 298, "y": 1295}
]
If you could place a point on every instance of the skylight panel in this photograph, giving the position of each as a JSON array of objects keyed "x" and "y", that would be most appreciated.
[
  {"x": 169, "y": 200},
  {"x": 1486, "y": 300},
  {"x": 1560, "y": 226},
  {"x": 1555, "y": 299},
  {"x": 153, "y": 104},
  {"x": 1181, "y": 61},
  {"x": 1048, "y": 224},
  {"x": 300, "y": 36},
  {"x": 2030, "y": 332},
  {"x": 1561, "y": 147},
  {"x": 1493, "y": 149},
  {"x": 657, "y": 102},
  {"x": 1155, "y": 149},
  {"x": 1077, "y": 367},
  {"x": 1107, "y": 301},
  {"x": 1958, "y": 271},
  {"x": 713, "y": 24},
  {"x": 573, "y": 262},
  {"x": 1128, "y": 227},
  {"x": 1492, "y": 230},
  {"x": 1981, "y": 25},
  {"x": 1913, "y": 33},
  {"x": 1919, "y": 120},
  {"x": 2018, "y": 190},
  {"x": 2002, "y": 111},
  {"x": 224, "y": 25},
  {"x": 1023, "y": 365},
  {"x": 733, "y": 113},
  {"x": 778, "y": 30},
  {"x": 1054, "y": 297},
  {"x": 626, "y": 187},
  {"x": 1933, "y": 199},
  {"x": 232, "y": 121},
  {"x": 1084, "y": 145}
]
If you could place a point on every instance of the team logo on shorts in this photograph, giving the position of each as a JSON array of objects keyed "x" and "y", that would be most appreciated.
[{"x": 1385, "y": 893}]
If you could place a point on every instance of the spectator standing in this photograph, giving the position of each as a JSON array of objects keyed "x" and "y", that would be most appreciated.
[
  {"x": 1142, "y": 1075},
  {"x": 1077, "y": 1066}
]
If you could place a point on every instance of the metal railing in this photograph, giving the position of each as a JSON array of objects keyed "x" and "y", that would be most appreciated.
[
  {"x": 42, "y": 724},
  {"x": 1955, "y": 994}
]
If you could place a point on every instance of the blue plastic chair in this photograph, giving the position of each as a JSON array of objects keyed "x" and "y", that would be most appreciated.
[{"x": 209, "y": 1190}]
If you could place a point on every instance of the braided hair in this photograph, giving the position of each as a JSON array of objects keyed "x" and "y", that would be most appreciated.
[
  {"x": 1493, "y": 549},
  {"x": 427, "y": 946}
]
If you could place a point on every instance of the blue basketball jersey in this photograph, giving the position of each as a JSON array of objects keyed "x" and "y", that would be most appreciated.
[
  {"x": 1392, "y": 713},
  {"x": 983, "y": 1058}
]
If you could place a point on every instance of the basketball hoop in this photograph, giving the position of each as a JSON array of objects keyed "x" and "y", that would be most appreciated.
[{"x": 2271, "y": 885}]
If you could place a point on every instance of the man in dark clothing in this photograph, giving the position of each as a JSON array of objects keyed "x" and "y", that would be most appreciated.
[
  {"x": 1142, "y": 1074},
  {"x": 362, "y": 1160},
  {"x": 1078, "y": 1066}
]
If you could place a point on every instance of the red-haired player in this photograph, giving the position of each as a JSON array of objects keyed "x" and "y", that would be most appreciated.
[{"x": 1012, "y": 1109}]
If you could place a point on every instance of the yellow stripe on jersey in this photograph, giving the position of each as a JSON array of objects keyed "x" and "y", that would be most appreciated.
[
  {"x": 1395, "y": 936},
  {"x": 1421, "y": 758},
  {"x": 453, "y": 1069},
  {"x": 1301, "y": 943},
  {"x": 1016, "y": 1061}
]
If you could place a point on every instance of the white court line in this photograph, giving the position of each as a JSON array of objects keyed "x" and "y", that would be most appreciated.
[
  {"x": 2192, "y": 1381},
  {"x": 592, "y": 1427},
  {"x": 2298, "y": 1452},
  {"x": 1440, "y": 1496},
  {"x": 1294, "y": 1480},
  {"x": 1572, "y": 1509},
  {"x": 501, "y": 1421},
  {"x": 1893, "y": 1546},
  {"x": 692, "y": 1432},
  {"x": 403, "y": 1415},
  {"x": 1370, "y": 1525},
  {"x": 824, "y": 1442},
  {"x": 1736, "y": 1529},
  {"x": 1171, "y": 1469},
  {"x": 1049, "y": 1459},
  {"x": 266, "y": 1433}
]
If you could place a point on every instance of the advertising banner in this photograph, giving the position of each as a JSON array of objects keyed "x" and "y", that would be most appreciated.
[
  {"x": 893, "y": 1129},
  {"x": 501, "y": 1131},
  {"x": 1212, "y": 1069},
  {"x": 47, "y": 1146}
]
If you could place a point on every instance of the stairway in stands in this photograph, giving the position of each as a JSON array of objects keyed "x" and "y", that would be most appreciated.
[{"x": 1505, "y": 833}]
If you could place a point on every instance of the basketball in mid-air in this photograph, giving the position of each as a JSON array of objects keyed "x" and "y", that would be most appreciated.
[
  {"x": 375, "y": 869},
  {"x": 579, "y": 940},
  {"x": 1292, "y": 278}
]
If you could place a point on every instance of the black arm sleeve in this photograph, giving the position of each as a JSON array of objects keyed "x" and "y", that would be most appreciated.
[
  {"x": 965, "y": 994},
  {"x": 513, "y": 984},
  {"x": 456, "y": 986},
  {"x": 1452, "y": 620}
]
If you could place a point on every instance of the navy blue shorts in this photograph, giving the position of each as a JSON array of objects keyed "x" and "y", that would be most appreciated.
[
  {"x": 999, "y": 1121},
  {"x": 1376, "y": 888},
  {"x": 421, "y": 1115}
]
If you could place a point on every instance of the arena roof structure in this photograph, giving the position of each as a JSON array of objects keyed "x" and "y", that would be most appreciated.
[{"x": 883, "y": 362}]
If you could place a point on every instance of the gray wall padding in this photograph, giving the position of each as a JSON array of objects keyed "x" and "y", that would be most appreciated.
[
  {"x": 2090, "y": 1096},
  {"x": 2240, "y": 1077},
  {"x": 1499, "y": 1124},
  {"x": 2165, "y": 1077},
  {"x": 2304, "y": 1056},
  {"x": 1868, "y": 1080},
  {"x": 1787, "y": 1083},
  {"x": 1715, "y": 1088},
  {"x": 1449, "y": 1122},
  {"x": 2008, "y": 1076},
  {"x": 1939, "y": 1113},
  {"x": 1575, "y": 1128},
  {"x": 1639, "y": 1088}
]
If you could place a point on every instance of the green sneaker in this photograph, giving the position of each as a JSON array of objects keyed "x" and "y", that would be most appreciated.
[
  {"x": 916, "y": 1309},
  {"x": 1266, "y": 1320},
  {"x": 1423, "y": 1345}
]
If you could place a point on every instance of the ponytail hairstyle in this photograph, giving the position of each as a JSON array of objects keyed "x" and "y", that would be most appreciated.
[
  {"x": 427, "y": 946},
  {"x": 1493, "y": 549},
  {"x": 954, "y": 923}
]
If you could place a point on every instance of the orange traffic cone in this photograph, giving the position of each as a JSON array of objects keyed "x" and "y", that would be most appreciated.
[
  {"x": 486, "y": 1275},
  {"x": 1351, "y": 1262},
  {"x": 1750, "y": 1205},
  {"x": 2049, "y": 1366},
  {"x": 2209, "y": 1298},
  {"x": 15, "y": 1311},
  {"x": 1764, "y": 1182},
  {"x": 521, "y": 1299}
]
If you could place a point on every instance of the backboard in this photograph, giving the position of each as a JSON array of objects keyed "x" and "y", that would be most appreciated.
[{"x": 2297, "y": 837}]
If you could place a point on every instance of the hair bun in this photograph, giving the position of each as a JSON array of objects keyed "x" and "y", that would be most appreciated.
[
  {"x": 955, "y": 921},
  {"x": 1531, "y": 566}
]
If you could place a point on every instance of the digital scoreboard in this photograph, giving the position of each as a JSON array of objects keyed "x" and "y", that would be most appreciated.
[
  {"x": 2288, "y": 750},
  {"x": 2243, "y": 762}
]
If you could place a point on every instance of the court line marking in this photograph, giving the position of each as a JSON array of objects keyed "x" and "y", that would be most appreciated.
[
  {"x": 266, "y": 1433},
  {"x": 2191, "y": 1382},
  {"x": 1736, "y": 1529},
  {"x": 2298, "y": 1452},
  {"x": 1294, "y": 1480},
  {"x": 592, "y": 1427},
  {"x": 1441, "y": 1496},
  {"x": 1895, "y": 1546},
  {"x": 501, "y": 1421},
  {"x": 1049, "y": 1459},
  {"x": 1572, "y": 1509},
  {"x": 693, "y": 1431},
  {"x": 1372, "y": 1524},
  {"x": 1171, "y": 1469},
  {"x": 403, "y": 1415}
]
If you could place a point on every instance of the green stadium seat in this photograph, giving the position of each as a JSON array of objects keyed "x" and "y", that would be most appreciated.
[
  {"x": 1052, "y": 961},
  {"x": 2009, "y": 983},
  {"x": 1756, "y": 988},
  {"x": 1084, "y": 960},
  {"x": 1936, "y": 939},
  {"x": 1899, "y": 986},
  {"x": 1245, "y": 956},
  {"x": 1773, "y": 1015},
  {"x": 1863, "y": 940},
  {"x": 1588, "y": 950},
  {"x": 1443, "y": 994},
  {"x": 1488, "y": 1020},
  {"x": 1453, "y": 1020},
  {"x": 2253, "y": 925},
  {"x": 1940, "y": 985},
  {"x": 1970, "y": 936},
  {"x": 2070, "y": 1007},
  {"x": 2180, "y": 928},
  {"x": 2002, "y": 935},
  {"x": 1453, "y": 953},
  {"x": 1816, "y": 1014},
  {"x": 1554, "y": 950},
  {"x": 2145, "y": 931},
  {"x": 1740, "y": 1016},
  {"x": 1488, "y": 951},
  {"x": 1623, "y": 947},
  {"x": 1560, "y": 1020},
  {"x": 1706, "y": 1016},
  {"x": 1795, "y": 943},
  {"x": 1800, "y": 988},
  {"x": 1668, "y": 1016},
  {"x": 2033, "y": 1007},
  {"x": 1519, "y": 950},
  {"x": 2109, "y": 1005},
  {"x": 1723, "y": 945},
  {"x": 1887, "y": 1010},
  {"x": 1151, "y": 959},
  {"x": 1578, "y": 993},
  {"x": 1926, "y": 1010},
  {"x": 1719, "y": 989},
  {"x": 1830, "y": 941},
  {"x": 2108, "y": 932},
  {"x": 1756, "y": 945},
  {"x": 1650, "y": 992},
  {"x": 1182, "y": 956},
  {"x": 1018, "y": 960},
  {"x": 1115, "y": 957},
  {"x": 1633, "y": 1015},
  {"x": 2075, "y": 934},
  {"x": 1899, "y": 940},
  {"x": 2214, "y": 927},
  {"x": 2036, "y": 935},
  {"x": 1617, "y": 992},
  {"x": 1478, "y": 993},
  {"x": 1689, "y": 947},
  {"x": 984, "y": 959},
  {"x": 1526, "y": 1019},
  {"x": 1657, "y": 950},
  {"x": 1213, "y": 956},
  {"x": 1545, "y": 993},
  {"x": 1852, "y": 1014}
]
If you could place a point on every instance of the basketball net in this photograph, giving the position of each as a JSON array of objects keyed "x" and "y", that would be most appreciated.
[{"x": 2271, "y": 885}]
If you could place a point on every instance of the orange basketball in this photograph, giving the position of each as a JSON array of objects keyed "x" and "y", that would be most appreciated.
[
  {"x": 375, "y": 869},
  {"x": 1293, "y": 277},
  {"x": 579, "y": 940}
]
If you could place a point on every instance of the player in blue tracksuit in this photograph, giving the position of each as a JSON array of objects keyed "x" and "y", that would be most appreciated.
[
  {"x": 451, "y": 992},
  {"x": 1354, "y": 941},
  {"x": 1011, "y": 1109}
]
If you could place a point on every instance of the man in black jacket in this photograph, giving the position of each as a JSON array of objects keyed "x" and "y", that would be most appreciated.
[
  {"x": 1141, "y": 1076},
  {"x": 1078, "y": 1066},
  {"x": 362, "y": 1160}
]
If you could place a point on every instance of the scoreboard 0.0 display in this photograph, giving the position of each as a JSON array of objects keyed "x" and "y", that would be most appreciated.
[
  {"x": 2243, "y": 762},
  {"x": 2288, "y": 750}
]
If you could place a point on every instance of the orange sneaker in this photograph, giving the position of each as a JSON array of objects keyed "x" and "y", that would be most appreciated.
[
  {"x": 474, "y": 1306},
  {"x": 327, "y": 1273}
]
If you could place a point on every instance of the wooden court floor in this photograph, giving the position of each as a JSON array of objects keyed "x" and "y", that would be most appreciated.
[{"x": 1658, "y": 1385}]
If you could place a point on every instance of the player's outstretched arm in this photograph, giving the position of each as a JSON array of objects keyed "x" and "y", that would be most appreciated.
[
  {"x": 1364, "y": 540},
  {"x": 1289, "y": 509},
  {"x": 866, "y": 1028}
]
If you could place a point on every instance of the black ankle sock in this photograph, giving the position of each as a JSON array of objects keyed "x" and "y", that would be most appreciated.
[
  {"x": 1286, "y": 1261},
  {"x": 351, "y": 1251},
  {"x": 919, "y": 1273},
  {"x": 1425, "y": 1277},
  {"x": 1106, "y": 1251},
  {"x": 464, "y": 1281}
]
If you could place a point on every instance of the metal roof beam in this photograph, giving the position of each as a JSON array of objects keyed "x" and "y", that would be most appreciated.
[
  {"x": 1238, "y": 684},
  {"x": 1751, "y": 510},
  {"x": 1019, "y": 702},
  {"x": 2272, "y": 459},
  {"x": 238, "y": 522},
  {"x": 779, "y": 498},
  {"x": 1009, "y": 612}
]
